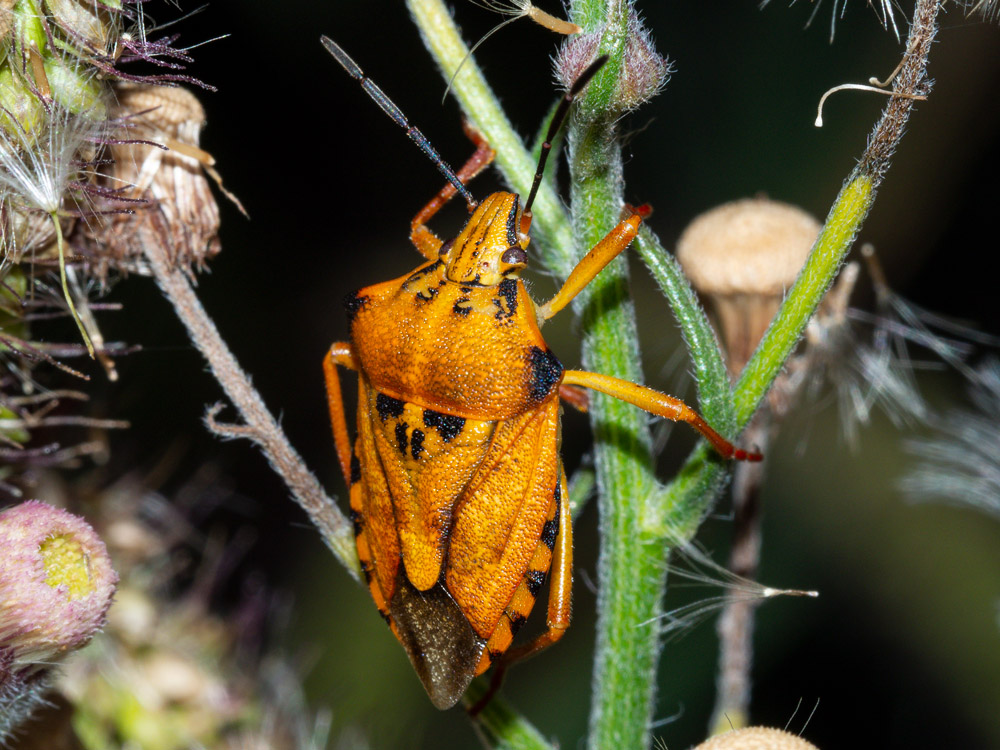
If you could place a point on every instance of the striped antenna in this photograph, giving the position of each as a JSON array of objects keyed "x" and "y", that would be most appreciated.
[
  {"x": 557, "y": 120},
  {"x": 387, "y": 105}
]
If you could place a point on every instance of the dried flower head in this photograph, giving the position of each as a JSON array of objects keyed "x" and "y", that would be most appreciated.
[
  {"x": 756, "y": 738},
  {"x": 161, "y": 164},
  {"x": 743, "y": 256},
  {"x": 56, "y": 581}
]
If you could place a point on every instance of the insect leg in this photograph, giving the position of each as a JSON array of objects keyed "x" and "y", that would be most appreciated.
[
  {"x": 340, "y": 354},
  {"x": 592, "y": 264},
  {"x": 576, "y": 397},
  {"x": 659, "y": 404},
  {"x": 428, "y": 243}
]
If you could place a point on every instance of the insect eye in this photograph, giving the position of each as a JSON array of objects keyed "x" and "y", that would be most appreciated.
[{"x": 515, "y": 256}]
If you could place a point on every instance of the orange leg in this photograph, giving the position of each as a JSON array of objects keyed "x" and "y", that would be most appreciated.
[
  {"x": 593, "y": 263},
  {"x": 578, "y": 398},
  {"x": 426, "y": 242},
  {"x": 340, "y": 354},
  {"x": 659, "y": 404}
]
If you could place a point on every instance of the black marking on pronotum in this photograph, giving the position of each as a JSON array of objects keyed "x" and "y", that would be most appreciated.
[
  {"x": 387, "y": 406},
  {"x": 447, "y": 426},
  {"x": 401, "y": 437},
  {"x": 417, "y": 443},
  {"x": 427, "y": 295},
  {"x": 506, "y": 292},
  {"x": 355, "y": 469},
  {"x": 356, "y": 521},
  {"x": 534, "y": 580},
  {"x": 544, "y": 371},
  {"x": 421, "y": 272},
  {"x": 516, "y": 622},
  {"x": 353, "y": 302},
  {"x": 458, "y": 308}
]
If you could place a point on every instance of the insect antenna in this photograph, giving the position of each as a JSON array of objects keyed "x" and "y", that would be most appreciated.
[
  {"x": 390, "y": 108},
  {"x": 557, "y": 120}
]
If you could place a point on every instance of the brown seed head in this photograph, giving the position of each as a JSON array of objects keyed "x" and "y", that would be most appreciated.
[
  {"x": 743, "y": 256},
  {"x": 179, "y": 201}
]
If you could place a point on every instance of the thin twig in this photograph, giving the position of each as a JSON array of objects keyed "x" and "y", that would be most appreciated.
[{"x": 261, "y": 427}]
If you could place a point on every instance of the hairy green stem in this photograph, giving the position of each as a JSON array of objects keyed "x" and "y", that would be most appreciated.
[
  {"x": 684, "y": 501},
  {"x": 630, "y": 568},
  {"x": 499, "y": 725}
]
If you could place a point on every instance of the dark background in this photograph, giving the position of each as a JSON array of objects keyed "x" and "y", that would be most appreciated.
[{"x": 902, "y": 649}]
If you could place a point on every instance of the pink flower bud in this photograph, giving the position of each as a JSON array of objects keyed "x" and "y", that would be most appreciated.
[{"x": 56, "y": 583}]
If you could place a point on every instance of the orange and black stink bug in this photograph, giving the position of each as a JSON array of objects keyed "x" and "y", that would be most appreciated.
[{"x": 458, "y": 494}]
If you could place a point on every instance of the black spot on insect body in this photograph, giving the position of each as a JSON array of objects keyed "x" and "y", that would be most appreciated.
[
  {"x": 426, "y": 295},
  {"x": 355, "y": 469},
  {"x": 387, "y": 406},
  {"x": 557, "y": 494},
  {"x": 417, "y": 443},
  {"x": 534, "y": 580},
  {"x": 506, "y": 293},
  {"x": 516, "y": 622},
  {"x": 512, "y": 224},
  {"x": 550, "y": 530},
  {"x": 401, "y": 437},
  {"x": 366, "y": 572},
  {"x": 447, "y": 426},
  {"x": 356, "y": 521},
  {"x": 458, "y": 309},
  {"x": 420, "y": 273},
  {"x": 494, "y": 655},
  {"x": 386, "y": 617},
  {"x": 544, "y": 371},
  {"x": 353, "y": 302}
]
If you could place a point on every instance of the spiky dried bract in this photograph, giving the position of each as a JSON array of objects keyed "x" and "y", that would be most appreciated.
[
  {"x": 56, "y": 583},
  {"x": 958, "y": 463},
  {"x": 644, "y": 72},
  {"x": 756, "y": 738},
  {"x": 170, "y": 177}
]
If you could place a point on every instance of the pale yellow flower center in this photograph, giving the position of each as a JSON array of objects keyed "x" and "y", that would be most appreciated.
[{"x": 67, "y": 562}]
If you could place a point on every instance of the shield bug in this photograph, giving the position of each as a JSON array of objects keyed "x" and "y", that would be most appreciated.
[{"x": 457, "y": 491}]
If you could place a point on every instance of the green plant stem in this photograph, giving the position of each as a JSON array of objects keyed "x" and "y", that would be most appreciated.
[
  {"x": 499, "y": 725},
  {"x": 630, "y": 567},
  {"x": 683, "y": 501}
]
